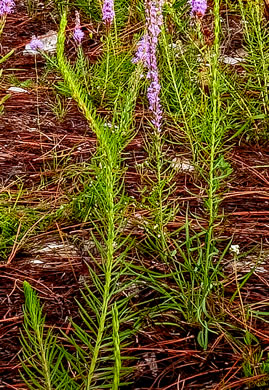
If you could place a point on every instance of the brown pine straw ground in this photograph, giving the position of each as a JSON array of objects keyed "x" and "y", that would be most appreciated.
[{"x": 36, "y": 148}]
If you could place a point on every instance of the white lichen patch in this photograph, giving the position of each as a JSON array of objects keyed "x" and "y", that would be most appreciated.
[
  {"x": 49, "y": 41},
  {"x": 258, "y": 263},
  {"x": 231, "y": 60},
  {"x": 17, "y": 90},
  {"x": 58, "y": 248},
  {"x": 150, "y": 359},
  {"x": 235, "y": 59},
  {"x": 182, "y": 165},
  {"x": 36, "y": 261}
]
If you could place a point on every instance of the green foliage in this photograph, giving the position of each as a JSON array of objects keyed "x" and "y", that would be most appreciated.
[
  {"x": 42, "y": 358},
  {"x": 16, "y": 224},
  {"x": 91, "y": 8},
  {"x": 59, "y": 107},
  {"x": 208, "y": 106},
  {"x": 108, "y": 75},
  {"x": 265, "y": 366},
  {"x": 19, "y": 223},
  {"x": 2, "y": 101},
  {"x": 97, "y": 358},
  {"x": 6, "y": 57},
  {"x": 2, "y": 60},
  {"x": 32, "y": 7},
  {"x": 9, "y": 223},
  {"x": 252, "y": 95}
]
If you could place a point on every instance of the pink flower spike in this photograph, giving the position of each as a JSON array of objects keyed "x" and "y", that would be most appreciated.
[{"x": 108, "y": 11}]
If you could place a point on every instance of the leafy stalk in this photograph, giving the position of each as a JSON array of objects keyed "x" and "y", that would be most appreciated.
[
  {"x": 214, "y": 131},
  {"x": 109, "y": 209},
  {"x": 41, "y": 356}
]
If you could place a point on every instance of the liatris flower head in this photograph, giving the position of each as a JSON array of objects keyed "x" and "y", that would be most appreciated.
[
  {"x": 147, "y": 54},
  {"x": 78, "y": 33},
  {"x": 154, "y": 16},
  {"x": 6, "y": 7},
  {"x": 36, "y": 44},
  {"x": 154, "y": 20},
  {"x": 198, "y": 7},
  {"x": 108, "y": 11}
]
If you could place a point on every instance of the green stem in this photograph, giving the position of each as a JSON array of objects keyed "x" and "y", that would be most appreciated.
[
  {"x": 213, "y": 144},
  {"x": 107, "y": 66},
  {"x": 44, "y": 360},
  {"x": 2, "y": 23},
  {"x": 111, "y": 234},
  {"x": 158, "y": 145},
  {"x": 172, "y": 73}
]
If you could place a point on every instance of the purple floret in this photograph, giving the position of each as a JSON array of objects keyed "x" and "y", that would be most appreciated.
[
  {"x": 78, "y": 33},
  {"x": 36, "y": 44},
  {"x": 6, "y": 7},
  {"x": 198, "y": 7},
  {"x": 108, "y": 11},
  {"x": 142, "y": 51}
]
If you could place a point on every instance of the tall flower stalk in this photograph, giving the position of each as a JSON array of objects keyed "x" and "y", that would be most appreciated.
[
  {"x": 147, "y": 53},
  {"x": 6, "y": 7}
]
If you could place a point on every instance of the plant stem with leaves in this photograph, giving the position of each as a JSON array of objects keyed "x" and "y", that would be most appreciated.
[{"x": 109, "y": 198}]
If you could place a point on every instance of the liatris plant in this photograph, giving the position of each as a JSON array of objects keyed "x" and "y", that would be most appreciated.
[
  {"x": 6, "y": 7},
  {"x": 78, "y": 33},
  {"x": 147, "y": 53},
  {"x": 108, "y": 12},
  {"x": 198, "y": 7}
]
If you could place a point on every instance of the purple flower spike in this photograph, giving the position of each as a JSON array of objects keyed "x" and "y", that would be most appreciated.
[
  {"x": 78, "y": 33},
  {"x": 198, "y": 7},
  {"x": 108, "y": 11},
  {"x": 6, "y": 7},
  {"x": 36, "y": 44},
  {"x": 147, "y": 55}
]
